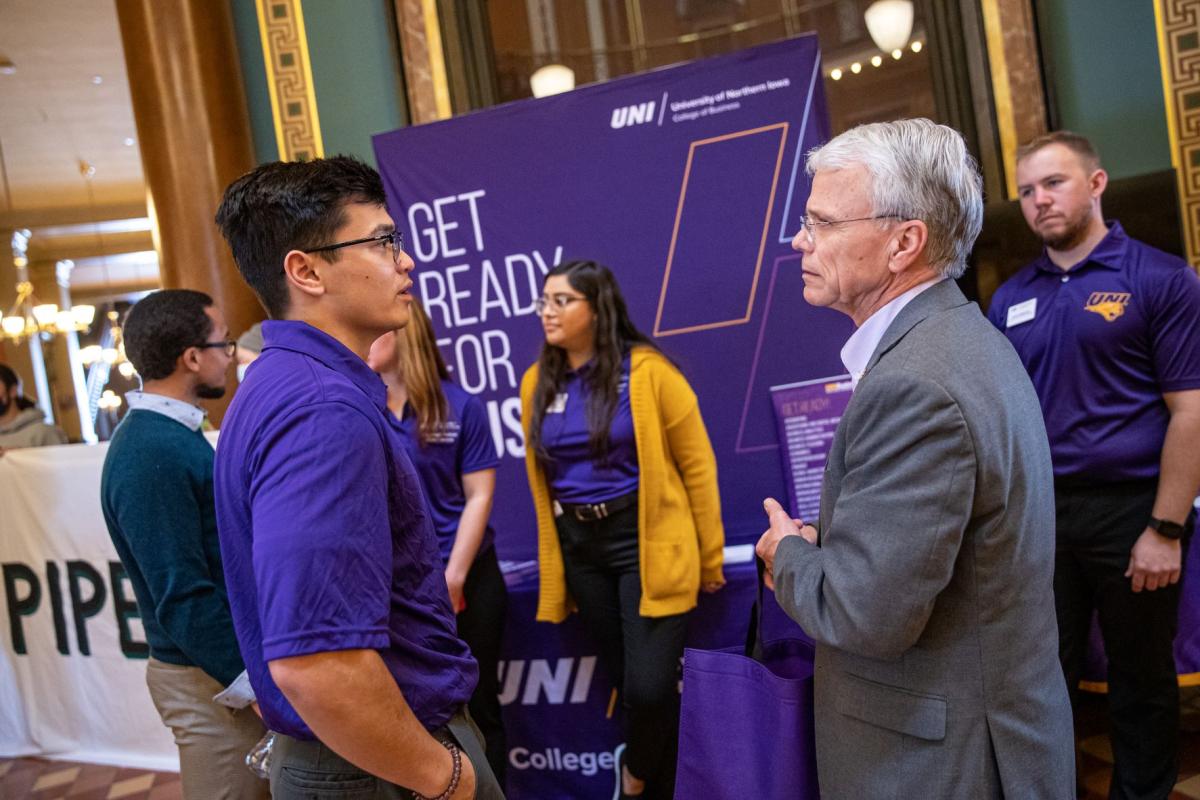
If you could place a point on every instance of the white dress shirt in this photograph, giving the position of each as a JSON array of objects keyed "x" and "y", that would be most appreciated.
[
  {"x": 859, "y": 348},
  {"x": 185, "y": 414}
]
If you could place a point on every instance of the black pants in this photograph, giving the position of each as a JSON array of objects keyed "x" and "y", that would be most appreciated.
[
  {"x": 481, "y": 626},
  {"x": 1097, "y": 528},
  {"x": 308, "y": 770},
  {"x": 642, "y": 654}
]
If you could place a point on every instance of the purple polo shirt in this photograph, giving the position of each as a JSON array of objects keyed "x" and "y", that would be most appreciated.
[
  {"x": 1106, "y": 339},
  {"x": 326, "y": 540},
  {"x": 573, "y": 474},
  {"x": 462, "y": 445}
]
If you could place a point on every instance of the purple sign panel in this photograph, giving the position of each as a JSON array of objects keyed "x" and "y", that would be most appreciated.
[
  {"x": 688, "y": 182},
  {"x": 807, "y": 414}
]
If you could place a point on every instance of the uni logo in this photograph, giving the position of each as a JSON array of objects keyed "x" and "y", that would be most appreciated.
[
  {"x": 566, "y": 681},
  {"x": 640, "y": 114},
  {"x": 1109, "y": 305}
]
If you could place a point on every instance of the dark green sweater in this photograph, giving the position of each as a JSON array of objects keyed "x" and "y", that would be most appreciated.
[{"x": 157, "y": 495}]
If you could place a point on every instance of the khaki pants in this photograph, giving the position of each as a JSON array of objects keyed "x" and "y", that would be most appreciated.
[{"x": 213, "y": 740}]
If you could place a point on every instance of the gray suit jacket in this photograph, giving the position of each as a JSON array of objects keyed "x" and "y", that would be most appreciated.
[{"x": 930, "y": 595}]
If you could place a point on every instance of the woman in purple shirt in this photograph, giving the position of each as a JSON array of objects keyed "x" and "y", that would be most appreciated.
[
  {"x": 624, "y": 484},
  {"x": 447, "y": 438}
]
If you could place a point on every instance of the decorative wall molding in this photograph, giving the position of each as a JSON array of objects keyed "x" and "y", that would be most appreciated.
[
  {"x": 289, "y": 80},
  {"x": 1178, "y": 23},
  {"x": 423, "y": 59}
]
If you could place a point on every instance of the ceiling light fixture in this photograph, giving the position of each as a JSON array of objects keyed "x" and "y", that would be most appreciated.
[
  {"x": 890, "y": 23},
  {"x": 552, "y": 79},
  {"x": 7, "y": 67}
]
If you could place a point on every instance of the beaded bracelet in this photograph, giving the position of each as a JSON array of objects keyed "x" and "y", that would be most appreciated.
[{"x": 456, "y": 755}]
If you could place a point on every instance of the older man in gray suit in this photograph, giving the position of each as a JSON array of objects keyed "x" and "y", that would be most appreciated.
[{"x": 927, "y": 584}]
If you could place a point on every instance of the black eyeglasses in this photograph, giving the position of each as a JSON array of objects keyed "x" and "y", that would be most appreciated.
[
  {"x": 229, "y": 345},
  {"x": 394, "y": 239}
]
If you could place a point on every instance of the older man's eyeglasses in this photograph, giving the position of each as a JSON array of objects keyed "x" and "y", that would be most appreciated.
[
  {"x": 557, "y": 302},
  {"x": 229, "y": 346},
  {"x": 393, "y": 240},
  {"x": 810, "y": 225}
]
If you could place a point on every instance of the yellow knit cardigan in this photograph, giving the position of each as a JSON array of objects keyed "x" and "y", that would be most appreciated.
[{"x": 680, "y": 534}]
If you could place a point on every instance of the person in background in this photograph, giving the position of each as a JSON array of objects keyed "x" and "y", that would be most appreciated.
[
  {"x": 156, "y": 493},
  {"x": 624, "y": 484},
  {"x": 22, "y": 423},
  {"x": 1109, "y": 330},
  {"x": 249, "y": 345},
  {"x": 447, "y": 438}
]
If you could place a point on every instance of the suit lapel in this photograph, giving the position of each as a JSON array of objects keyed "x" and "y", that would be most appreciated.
[{"x": 937, "y": 298}]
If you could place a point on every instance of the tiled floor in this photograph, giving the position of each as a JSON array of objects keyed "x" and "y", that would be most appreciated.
[
  {"x": 1095, "y": 765},
  {"x": 50, "y": 780}
]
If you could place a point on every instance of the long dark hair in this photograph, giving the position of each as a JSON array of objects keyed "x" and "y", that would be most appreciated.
[
  {"x": 615, "y": 334},
  {"x": 9, "y": 378}
]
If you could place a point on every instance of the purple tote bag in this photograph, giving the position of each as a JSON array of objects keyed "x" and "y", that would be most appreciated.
[{"x": 746, "y": 723}]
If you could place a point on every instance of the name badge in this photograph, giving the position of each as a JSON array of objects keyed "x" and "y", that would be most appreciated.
[
  {"x": 1021, "y": 312},
  {"x": 559, "y": 405}
]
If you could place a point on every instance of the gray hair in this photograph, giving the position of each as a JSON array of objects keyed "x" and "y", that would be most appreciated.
[{"x": 919, "y": 170}]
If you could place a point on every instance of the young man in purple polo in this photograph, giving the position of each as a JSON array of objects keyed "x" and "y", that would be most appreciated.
[
  {"x": 1109, "y": 330},
  {"x": 331, "y": 562}
]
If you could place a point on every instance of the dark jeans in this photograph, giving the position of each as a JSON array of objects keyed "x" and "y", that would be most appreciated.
[
  {"x": 1097, "y": 528},
  {"x": 311, "y": 771},
  {"x": 641, "y": 654},
  {"x": 481, "y": 626}
]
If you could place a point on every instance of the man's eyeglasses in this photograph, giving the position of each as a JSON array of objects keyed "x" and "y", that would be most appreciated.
[
  {"x": 229, "y": 346},
  {"x": 810, "y": 225},
  {"x": 394, "y": 240},
  {"x": 556, "y": 301}
]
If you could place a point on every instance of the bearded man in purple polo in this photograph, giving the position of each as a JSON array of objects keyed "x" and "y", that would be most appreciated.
[{"x": 1109, "y": 330}]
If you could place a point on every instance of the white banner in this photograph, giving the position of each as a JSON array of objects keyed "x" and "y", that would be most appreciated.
[{"x": 73, "y": 662}]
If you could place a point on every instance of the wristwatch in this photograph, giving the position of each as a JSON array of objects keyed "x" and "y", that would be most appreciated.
[{"x": 1165, "y": 528}]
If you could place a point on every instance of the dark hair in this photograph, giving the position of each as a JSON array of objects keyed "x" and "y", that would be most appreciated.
[
  {"x": 161, "y": 326},
  {"x": 615, "y": 335},
  {"x": 1080, "y": 145},
  {"x": 292, "y": 205},
  {"x": 9, "y": 378}
]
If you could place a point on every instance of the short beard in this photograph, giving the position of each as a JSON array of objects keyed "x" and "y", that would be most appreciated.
[
  {"x": 1072, "y": 236},
  {"x": 206, "y": 392}
]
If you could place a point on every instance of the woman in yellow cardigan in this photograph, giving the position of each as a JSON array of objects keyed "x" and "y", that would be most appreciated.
[{"x": 625, "y": 486}]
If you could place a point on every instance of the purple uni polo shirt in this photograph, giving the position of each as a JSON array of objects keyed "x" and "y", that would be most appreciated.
[
  {"x": 325, "y": 536},
  {"x": 1102, "y": 342},
  {"x": 573, "y": 476},
  {"x": 462, "y": 445}
]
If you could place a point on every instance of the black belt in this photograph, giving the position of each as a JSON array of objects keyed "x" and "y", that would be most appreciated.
[{"x": 591, "y": 512}]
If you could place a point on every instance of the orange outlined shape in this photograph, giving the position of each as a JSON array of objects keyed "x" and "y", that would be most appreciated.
[{"x": 782, "y": 127}]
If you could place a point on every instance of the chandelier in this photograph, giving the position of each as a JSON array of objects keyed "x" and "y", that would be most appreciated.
[
  {"x": 28, "y": 317},
  {"x": 112, "y": 352}
]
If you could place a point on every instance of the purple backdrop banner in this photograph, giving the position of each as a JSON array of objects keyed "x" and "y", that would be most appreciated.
[
  {"x": 687, "y": 182},
  {"x": 807, "y": 415}
]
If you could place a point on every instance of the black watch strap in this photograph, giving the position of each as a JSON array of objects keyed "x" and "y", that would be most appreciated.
[{"x": 1166, "y": 528}]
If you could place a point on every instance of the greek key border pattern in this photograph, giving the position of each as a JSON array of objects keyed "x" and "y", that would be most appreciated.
[
  {"x": 1180, "y": 20},
  {"x": 289, "y": 80}
]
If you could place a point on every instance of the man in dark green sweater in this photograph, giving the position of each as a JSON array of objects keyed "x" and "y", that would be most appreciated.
[{"x": 157, "y": 495}]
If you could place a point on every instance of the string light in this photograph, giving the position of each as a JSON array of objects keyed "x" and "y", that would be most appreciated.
[{"x": 837, "y": 73}]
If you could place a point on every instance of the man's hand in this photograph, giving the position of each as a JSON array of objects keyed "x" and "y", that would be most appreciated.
[
  {"x": 1154, "y": 562},
  {"x": 781, "y": 526},
  {"x": 455, "y": 583},
  {"x": 710, "y": 587}
]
